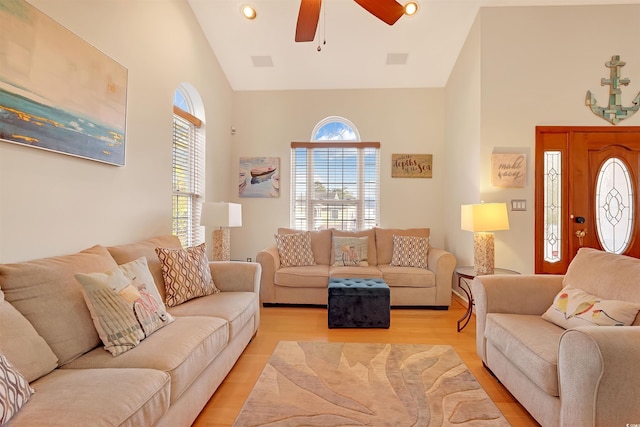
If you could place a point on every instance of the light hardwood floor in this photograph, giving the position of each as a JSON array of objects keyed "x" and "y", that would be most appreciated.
[{"x": 310, "y": 324}]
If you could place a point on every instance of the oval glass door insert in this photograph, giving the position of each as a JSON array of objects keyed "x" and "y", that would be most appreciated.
[{"x": 614, "y": 205}]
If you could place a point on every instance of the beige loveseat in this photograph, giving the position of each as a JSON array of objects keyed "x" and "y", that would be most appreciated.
[
  {"x": 47, "y": 333},
  {"x": 409, "y": 286},
  {"x": 580, "y": 376}
]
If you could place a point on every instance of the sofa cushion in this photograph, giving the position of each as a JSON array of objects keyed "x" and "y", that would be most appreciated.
[
  {"x": 123, "y": 314},
  {"x": 97, "y": 397},
  {"x": 183, "y": 349},
  {"x": 370, "y": 272},
  {"x": 384, "y": 240},
  {"x": 147, "y": 248},
  {"x": 19, "y": 341},
  {"x": 350, "y": 251},
  {"x": 573, "y": 307},
  {"x": 294, "y": 249},
  {"x": 320, "y": 244},
  {"x": 186, "y": 274},
  {"x": 370, "y": 234},
  {"x": 48, "y": 295},
  {"x": 607, "y": 275},
  {"x": 410, "y": 277},
  {"x": 529, "y": 342},
  {"x": 238, "y": 308},
  {"x": 410, "y": 251},
  {"x": 14, "y": 390},
  {"x": 315, "y": 276}
]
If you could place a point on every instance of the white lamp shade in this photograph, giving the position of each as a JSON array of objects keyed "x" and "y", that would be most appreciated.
[
  {"x": 221, "y": 214},
  {"x": 484, "y": 217}
]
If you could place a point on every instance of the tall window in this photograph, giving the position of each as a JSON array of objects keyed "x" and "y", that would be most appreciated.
[
  {"x": 335, "y": 179},
  {"x": 188, "y": 170}
]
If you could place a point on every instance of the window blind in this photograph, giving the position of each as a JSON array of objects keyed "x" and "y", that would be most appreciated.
[
  {"x": 188, "y": 179},
  {"x": 335, "y": 185}
]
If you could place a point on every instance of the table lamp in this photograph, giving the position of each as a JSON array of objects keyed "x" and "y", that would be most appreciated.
[
  {"x": 483, "y": 219},
  {"x": 221, "y": 215}
]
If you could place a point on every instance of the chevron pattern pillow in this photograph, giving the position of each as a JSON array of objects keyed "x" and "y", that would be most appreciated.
[
  {"x": 410, "y": 251},
  {"x": 295, "y": 249},
  {"x": 14, "y": 390},
  {"x": 186, "y": 274}
]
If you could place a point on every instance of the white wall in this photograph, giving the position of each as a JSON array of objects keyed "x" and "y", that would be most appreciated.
[
  {"x": 403, "y": 121},
  {"x": 53, "y": 204},
  {"x": 462, "y": 147},
  {"x": 537, "y": 65}
]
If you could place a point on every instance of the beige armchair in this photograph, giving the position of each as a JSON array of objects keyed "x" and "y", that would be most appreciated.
[{"x": 581, "y": 376}]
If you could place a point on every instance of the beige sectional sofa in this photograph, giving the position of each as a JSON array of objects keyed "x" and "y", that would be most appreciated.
[
  {"x": 48, "y": 334},
  {"x": 578, "y": 374},
  {"x": 410, "y": 286}
]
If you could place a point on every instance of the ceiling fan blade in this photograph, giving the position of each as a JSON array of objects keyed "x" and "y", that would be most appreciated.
[
  {"x": 308, "y": 20},
  {"x": 388, "y": 11}
]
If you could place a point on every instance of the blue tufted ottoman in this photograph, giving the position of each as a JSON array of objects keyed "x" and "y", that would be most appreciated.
[{"x": 358, "y": 303}]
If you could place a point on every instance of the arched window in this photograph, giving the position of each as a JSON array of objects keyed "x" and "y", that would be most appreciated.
[
  {"x": 188, "y": 166},
  {"x": 335, "y": 179}
]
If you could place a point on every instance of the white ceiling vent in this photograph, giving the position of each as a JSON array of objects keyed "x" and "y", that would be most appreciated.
[
  {"x": 397, "y": 58},
  {"x": 262, "y": 61}
]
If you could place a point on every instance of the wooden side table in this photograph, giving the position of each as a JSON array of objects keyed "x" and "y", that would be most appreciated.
[{"x": 465, "y": 276}]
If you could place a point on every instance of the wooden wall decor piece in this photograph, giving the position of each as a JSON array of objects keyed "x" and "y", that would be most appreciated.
[
  {"x": 614, "y": 112},
  {"x": 411, "y": 165}
]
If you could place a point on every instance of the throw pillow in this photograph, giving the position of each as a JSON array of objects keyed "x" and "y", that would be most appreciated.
[
  {"x": 295, "y": 249},
  {"x": 124, "y": 312},
  {"x": 186, "y": 274},
  {"x": 14, "y": 390},
  {"x": 410, "y": 251},
  {"x": 350, "y": 251},
  {"x": 139, "y": 273},
  {"x": 573, "y": 307}
]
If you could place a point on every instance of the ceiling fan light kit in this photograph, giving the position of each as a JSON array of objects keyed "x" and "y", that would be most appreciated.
[{"x": 388, "y": 11}]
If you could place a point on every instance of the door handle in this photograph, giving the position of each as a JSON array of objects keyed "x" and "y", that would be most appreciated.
[{"x": 580, "y": 235}]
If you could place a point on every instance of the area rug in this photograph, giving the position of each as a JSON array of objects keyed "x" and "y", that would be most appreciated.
[{"x": 353, "y": 384}]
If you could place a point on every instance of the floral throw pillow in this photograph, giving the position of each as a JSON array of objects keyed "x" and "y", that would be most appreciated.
[
  {"x": 295, "y": 249},
  {"x": 410, "y": 251},
  {"x": 186, "y": 274},
  {"x": 573, "y": 307},
  {"x": 350, "y": 251},
  {"x": 15, "y": 391}
]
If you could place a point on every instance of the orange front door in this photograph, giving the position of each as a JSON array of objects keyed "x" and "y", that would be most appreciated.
[{"x": 587, "y": 183}]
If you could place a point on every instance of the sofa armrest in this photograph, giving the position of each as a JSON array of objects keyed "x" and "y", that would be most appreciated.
[
  {"x": 599, "y": 376},
  {"x": 515, "y": 294},
  {"x": 232, "y": 276},
  {"x": 442, "y": 263},
  {"x": 269, "y": 259}
]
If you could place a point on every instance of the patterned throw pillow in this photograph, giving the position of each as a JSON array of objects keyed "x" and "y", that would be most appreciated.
[
  {"x": 186, "y": 274},
  {"x": 350, "y": 251},
  {"x": 14, "y": 390},
  {"x": 123, "y": 310},
  {"x": 573, "y": 307},
  {"x": 295, "y": 249},
  {"x": 410, "y": 251}
]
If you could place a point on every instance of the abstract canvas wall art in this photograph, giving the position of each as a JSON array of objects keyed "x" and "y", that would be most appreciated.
[{"x": 57, "y": 92}]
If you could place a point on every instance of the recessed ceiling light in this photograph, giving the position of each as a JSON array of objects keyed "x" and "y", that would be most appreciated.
[
  {"x": 248, "y": 11},
  {"x": 397, "y": 58},
  {"x": 411, "y": 8}
]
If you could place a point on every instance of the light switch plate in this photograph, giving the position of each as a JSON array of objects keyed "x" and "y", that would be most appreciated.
[{"x": 518, "y": 205}]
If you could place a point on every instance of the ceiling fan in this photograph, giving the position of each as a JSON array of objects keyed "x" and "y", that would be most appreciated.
[{"x": 388, "y": 11}]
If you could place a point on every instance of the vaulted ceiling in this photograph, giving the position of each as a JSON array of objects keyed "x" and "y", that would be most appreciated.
[{"x": 352, "y": 49}]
